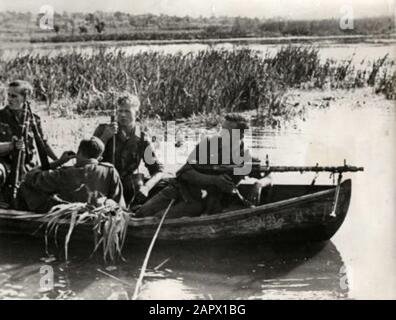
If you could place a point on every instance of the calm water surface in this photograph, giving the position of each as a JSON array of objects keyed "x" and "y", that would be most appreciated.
[{"x": 359, "y": 52}]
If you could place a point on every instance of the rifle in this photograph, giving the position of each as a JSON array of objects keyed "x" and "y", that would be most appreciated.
[
  {"x": 18, "y": 159},
  {"x": 41, "y": 147}
]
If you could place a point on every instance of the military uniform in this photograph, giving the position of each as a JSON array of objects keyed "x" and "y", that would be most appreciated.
[
  {"x": 71, "y": 184},
  {"x": 189, "y": 196},
  {"x": 213, "y": 156},
  {"x": 129, "y": 152},
  {"x": 10, "y": 126}
]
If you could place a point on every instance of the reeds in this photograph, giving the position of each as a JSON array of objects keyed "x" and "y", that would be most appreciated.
[
  {"x": 174, "y": 86},
  {"x": 108, "y": 221}
]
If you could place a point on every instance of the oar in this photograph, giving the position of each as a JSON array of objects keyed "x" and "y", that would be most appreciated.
[
  {"x": 146, "y": 259},
  {"x": 112, "y": 119}
]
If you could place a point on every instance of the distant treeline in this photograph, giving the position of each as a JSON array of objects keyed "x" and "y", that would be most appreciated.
[{"x": 124, "y": 26}]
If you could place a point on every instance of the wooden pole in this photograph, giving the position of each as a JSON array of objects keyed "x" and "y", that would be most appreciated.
[
  {"x": 113, "y": 118},
  {"x": 146, "y": 259}
]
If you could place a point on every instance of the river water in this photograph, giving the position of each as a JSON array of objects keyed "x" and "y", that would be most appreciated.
[
  {"x": 358, "y": 52},
  {"x": 358, "y": 262}
]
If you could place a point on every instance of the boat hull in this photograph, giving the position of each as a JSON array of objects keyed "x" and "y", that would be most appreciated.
[{"x": 313, "y": 216}]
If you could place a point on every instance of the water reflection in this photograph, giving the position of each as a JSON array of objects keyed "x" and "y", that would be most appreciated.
[
  {"x": 260, "y": 271},
  {"x": 194, "y": 271}
]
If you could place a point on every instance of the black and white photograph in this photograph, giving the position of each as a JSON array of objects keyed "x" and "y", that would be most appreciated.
[{"x": 197, "y": 150}]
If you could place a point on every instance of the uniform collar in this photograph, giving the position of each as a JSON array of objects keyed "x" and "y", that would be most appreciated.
[
  {"x": 12, "y": 116},
  {"x": 86, "y": 162},
  {"x": 10, "y": 112},
  {"x": 136, "y": 131}
]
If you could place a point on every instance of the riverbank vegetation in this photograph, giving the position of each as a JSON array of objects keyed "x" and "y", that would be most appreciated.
[{"x": 173, "y": 86}]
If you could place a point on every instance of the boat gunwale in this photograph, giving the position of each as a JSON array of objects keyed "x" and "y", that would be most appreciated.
[
  {"x": 225, "y": 216},
  {"x": 137, "y": 222}
]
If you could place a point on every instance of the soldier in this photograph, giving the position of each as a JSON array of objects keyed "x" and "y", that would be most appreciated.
[
  {"x": 131, "y": 147},
  {"x": 192, "y": 181},
  {"x": 74, "y": 183},
  {"x": 11, "y": 118}
]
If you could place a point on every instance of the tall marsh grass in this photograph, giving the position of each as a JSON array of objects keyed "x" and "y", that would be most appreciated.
[{"x": 180, "y": 85}]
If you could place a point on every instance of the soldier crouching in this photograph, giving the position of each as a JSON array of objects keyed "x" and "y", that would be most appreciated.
[{"x": 74, "y": 183}]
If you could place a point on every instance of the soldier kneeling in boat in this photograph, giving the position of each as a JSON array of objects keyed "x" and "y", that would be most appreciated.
[
  {"x": 197, "y": 188},
  {"x": 132, "y": 146},
  {"x": 74, "y": 183}
]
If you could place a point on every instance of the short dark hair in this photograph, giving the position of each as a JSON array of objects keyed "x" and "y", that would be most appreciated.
[
  {"x": 240, "y": 120},
  {"x": 131, "y": 99},
  {"x": 91, "y": 148},
  {"x": 22, "y": 86}
]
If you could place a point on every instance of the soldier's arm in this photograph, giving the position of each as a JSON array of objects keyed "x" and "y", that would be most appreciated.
[
  {"x": 151, "y": 183},
  {"x": 6, "y": 148},
  {"x": 223, "y": 182},
  {"x": 65, "y": 157},
  {"x": 104, "y": 132},
  {"x": 189, "y": 174},
  {"x": 46, "y": 181},
  {"x": 192, "y": 176},
  {"x": 151, "y": 161},
  {"x": 48, "y": 149},
  {"x": 116, "y": 191},
  {"x": 99, "y": 132},
  {"x": 153, "y": 165},
  {"x": 6, "y": 142}
]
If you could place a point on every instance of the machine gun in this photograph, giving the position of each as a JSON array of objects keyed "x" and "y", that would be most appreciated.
[{"x": 257, "y": 169}]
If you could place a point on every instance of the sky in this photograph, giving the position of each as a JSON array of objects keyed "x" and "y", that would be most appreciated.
[{"x": 297, "y": 9}]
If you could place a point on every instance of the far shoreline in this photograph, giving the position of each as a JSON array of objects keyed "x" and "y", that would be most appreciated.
[{"x": 383, "y": 39}]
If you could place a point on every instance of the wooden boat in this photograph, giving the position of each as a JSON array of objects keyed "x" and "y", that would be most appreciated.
[{"x": 286, "y": 213}]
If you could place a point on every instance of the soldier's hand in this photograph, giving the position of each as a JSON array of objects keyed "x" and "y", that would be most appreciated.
[
  {"x": 144, "y": 191},
  {"x": 67, "y": 156},
  {"x": 110, "y": 130},
  {"x": 141, "y": 195},
  {"x": 225, "y": 183},
  {"x": 139, "y": 199},
  {"x": 18, "y": 144}
]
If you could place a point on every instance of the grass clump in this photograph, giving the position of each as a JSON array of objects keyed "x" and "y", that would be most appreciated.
[{"x": 108, "y": 221}]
